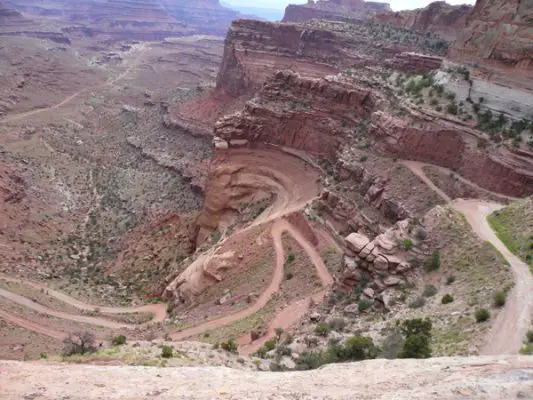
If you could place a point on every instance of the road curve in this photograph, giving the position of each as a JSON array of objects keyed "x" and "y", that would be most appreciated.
[
  {"x": 280, "y": 226},
  {"x": 509, "y": 329},
  {"x": 512, "y": 323}
]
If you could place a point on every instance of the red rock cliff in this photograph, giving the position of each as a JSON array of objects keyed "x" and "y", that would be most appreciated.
[
  {"x": 333, "y": 10},
  {"x": 498, "y": 32},
  {"x": 438, "y": 18}
]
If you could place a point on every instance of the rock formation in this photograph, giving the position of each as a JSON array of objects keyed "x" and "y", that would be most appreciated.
[
  {"x": 438, "y": 18},
  {"x": 336, "y": 10},
  {"x": 498, "y": 32},
  {"x": 491, "y": 377}
]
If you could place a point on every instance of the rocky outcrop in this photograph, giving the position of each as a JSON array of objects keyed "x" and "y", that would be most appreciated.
[
  {"x": 254, "y": 50},
  {"x": 316, "y": 115},
  {"x": 489, "y": 377},
  {"x": 438, "y": 18},
  {"x": 335, "y": 10},
  {"x": 378, "y": 263},
  {"x": 498, "y": 32}
]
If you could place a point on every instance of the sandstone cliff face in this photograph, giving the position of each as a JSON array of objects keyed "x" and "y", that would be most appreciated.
[
  {"x": 255, "y": 50},
  {"x": 336, "y": 10},
  {"x": 317, "y": 116},
  {"x": 437, "y": 18},
  {"x": 498, "y": 32}
]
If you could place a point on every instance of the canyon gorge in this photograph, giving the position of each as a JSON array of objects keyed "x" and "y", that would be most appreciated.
[{"x": 194, "y": 194}]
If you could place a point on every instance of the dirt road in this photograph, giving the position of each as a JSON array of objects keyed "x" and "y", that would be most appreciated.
[
  {"x": 509, "y": 330},
  {"x": 278, "y": 228}
]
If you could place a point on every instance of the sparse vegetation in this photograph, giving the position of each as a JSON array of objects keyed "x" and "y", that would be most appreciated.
[
  {"x": 429, "y": 291},
  {"x": 417, "y": 334},
  {"x": 482, "y": 315},
  {"x": 499, "y": 299},
  {"x": 322, "y": 329},
  {"x": 433, "y": 263},
  {"x": 447, "y": 299},
  {"x": 118, "y": 340},
  {"x": 167, "y": 351},
  {"x": 81, "y": 342}
]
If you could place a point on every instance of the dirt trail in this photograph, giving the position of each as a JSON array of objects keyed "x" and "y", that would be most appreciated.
[
  {"x": 78, "y": 93},
  {"x": 31, "y": 326},
  {"x": 278, "y": 228},
  {"x": 157, "y": 310},
  {"x": 509, "y": 329}
]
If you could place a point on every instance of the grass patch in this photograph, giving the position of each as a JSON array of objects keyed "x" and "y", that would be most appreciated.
[{"x": 514, "y": 227}]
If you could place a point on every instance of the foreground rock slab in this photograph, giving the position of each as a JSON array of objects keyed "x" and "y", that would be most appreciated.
[{"x": 439, "y": 378}]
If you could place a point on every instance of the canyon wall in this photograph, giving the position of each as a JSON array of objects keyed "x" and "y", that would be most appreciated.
[
  {"x": 318, "y": 116},
  {"x": 498, "y": 32},
  {"x": 335, "y": 10},
  {"x": 254, "y": 50},
  {"x": 437, "y": 18}
]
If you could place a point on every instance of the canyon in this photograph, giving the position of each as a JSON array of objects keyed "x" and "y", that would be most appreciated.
[{"x": 300, "y": 193}]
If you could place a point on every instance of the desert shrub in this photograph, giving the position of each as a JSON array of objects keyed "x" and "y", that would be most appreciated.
[
  {"x": 529, "y": 336},
  {"x": 447, "y": 299},
  {"x": 270, "y": 344},
  {"x": 450, "y": 280},
  {"x": 231, "y": 346},
  {"x": 337, "y": 324},
  {"x": 498, "y": 299},
  {"x": 358, "y": 348},
  {"x": 167, "y": 351},
  {"x": 438, "y": 108},
  {"x": 215, "y": 236},
  {"x": 416, "y": 346},
  {"x": 118, "y": 340},
  {"x": 289, "y": 276},
  {"x": 450, "y": 96},
  {"x": 429, "y": 291},
  {"x": 78, "y": 343},
  {"x": 363, "y": 158},
  {"x": 419, "y": 302},
  {"x": 482, "y": 315},
  {"x": 417, "y": 334},
  {"x": 290, "y": 258},
  {"x": 527, "y": 349},
  {"x": 433, "y": 263},
  {"x": 452, "y": 109},
  {"x": 408, "y": 244},
  {"x": 363, "y": 305},
  {"x": 322, "y": 329},
  {"x": 279, "y": 332}
]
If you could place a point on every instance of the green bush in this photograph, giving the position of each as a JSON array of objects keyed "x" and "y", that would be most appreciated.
[
  {"x": 433, "y": 263},
  {"x": 498, "y": 299},
  {"x": 447, "y": 299},
  {"x": 452, "y": 109},
  {"x": 450, "y": 280},
  {"x": 482, "y": 315},
  {"x": 416, "y": 346},
  {"x": 529, "y": 336},
  {"x": 290, "y": 258},
  {"x": 429, "y": 291},
  {"x": 118, "y": 340},
  {"x": 408, "y": 244},
  {"x": 167, "y": 352},
  {"x": 322, "y": 329},
  {"x": 230, "y": 346},
  {"x": 358, "y": 348},
  {"x": 363, "y": 305},
  {"x": 417, "y": 338}
]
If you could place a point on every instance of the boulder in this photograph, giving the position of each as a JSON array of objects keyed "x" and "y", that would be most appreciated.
[
  {"x": 392, "y": 281},
  {"x": 364, "y": 253},
  {"x": 315, "y": 317},
  {"x": 381, "y": 263},
  {"x": 352, "y": 309},
  {"x": 369, "y": 293},
  {"x": 356, "y": 242}
]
